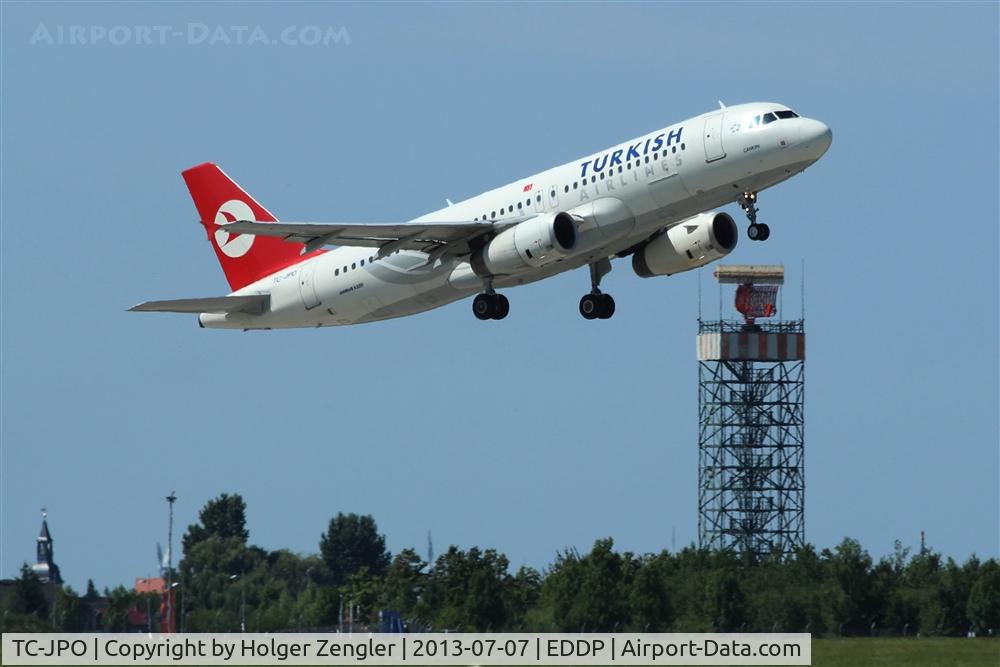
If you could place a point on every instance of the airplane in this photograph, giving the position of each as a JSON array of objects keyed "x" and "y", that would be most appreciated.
[{"x": 651, "y": 198}]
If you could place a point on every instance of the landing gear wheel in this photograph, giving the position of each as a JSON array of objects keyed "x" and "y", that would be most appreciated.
[
  {"x": 484, "y": 306},
  {"x": 756, "y": 231},
  {"x": 590, "y": 306},
  {"x": 607, "y": 307},
  {"x": 502, "y": 307}
]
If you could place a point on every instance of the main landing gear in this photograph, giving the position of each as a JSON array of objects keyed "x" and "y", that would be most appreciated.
[
  {"x": 757, "y": 231},
  {"x": 490, "y": 306},
  {"x": 597, "y": 305}
]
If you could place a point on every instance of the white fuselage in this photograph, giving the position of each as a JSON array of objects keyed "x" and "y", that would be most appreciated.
[{"x": 622, "y": 196}]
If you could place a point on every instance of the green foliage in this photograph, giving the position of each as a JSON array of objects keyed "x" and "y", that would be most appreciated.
[
  {"x": 838, "y": 592},
  {"x": 984, "y": 599},
  {"x": 350, "y": 543},
  {"x": 404, "y": 585},
  {"x": 28, "y": 596},
  {"x": 590, "y": 593},
  {"x": 469, "y": 591},
  {"x": 120, "y": 601},
  {"x": 223, "y": 517},
  {"x": 66, "y": 611}
]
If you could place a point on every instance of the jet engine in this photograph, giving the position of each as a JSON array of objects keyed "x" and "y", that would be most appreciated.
[
  {"x": 687, "y": 245},
  {"x": 530, "y": 244}
]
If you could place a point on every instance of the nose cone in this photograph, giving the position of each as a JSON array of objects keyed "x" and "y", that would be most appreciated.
[{"x": 815, "y": 137}]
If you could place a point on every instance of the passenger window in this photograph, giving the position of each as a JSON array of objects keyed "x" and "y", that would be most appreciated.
[
  {"x": 538, "y": 198},
  {"x": 527, "y": 202},
  {"x": 336, "y": 272},
  {"x": 493, "y": 214},
  {"x": 354, "y": 265},
  {"x": 656, "y": 156},
  {"x": 673, "y": 149},
  {"x": 510, "y": 209},
  {"x": 565, "y": 188},
  {"x": 345, "y": 268},
  {"x": 683, "y": 146},
  {"x": 619, "y": 169},
  {"x": 362, "y": 262},
  {"x": 647, "y": 160},
  {"x": 593, "y": 179},
  {"x": 628, "y": 164},
  {"x": 518, "y": 206},
  {"x": 574, "y": 185}
]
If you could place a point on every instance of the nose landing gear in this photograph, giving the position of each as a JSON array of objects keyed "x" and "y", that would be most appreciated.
[{"x": 757, "y": 231}]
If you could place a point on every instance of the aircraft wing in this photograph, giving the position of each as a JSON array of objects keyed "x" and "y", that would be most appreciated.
[
  {"x": 450, "y": 237},
  {"x": 253, "y": 304}
]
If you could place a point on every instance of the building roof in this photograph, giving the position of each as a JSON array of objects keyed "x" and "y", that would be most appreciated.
[{"x": 150, "y": 585}]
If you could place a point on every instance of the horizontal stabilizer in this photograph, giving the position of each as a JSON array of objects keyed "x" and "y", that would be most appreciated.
[{"x": 253, "y": 304}]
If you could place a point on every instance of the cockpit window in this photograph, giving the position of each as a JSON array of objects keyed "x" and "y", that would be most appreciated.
[
  {"x": 768, "y": 118},
  {"x": 787, "y": 113}
]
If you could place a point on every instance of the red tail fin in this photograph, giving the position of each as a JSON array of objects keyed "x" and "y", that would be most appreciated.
[{"x": 220, "y": 201}]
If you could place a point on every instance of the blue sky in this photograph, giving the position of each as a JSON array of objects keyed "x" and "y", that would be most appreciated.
[{"x": 529, "y": 435}]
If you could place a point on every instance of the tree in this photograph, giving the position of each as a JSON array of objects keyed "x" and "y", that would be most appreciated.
[
  {"x": 216, "y": 564},
  {"x": 404, "y": 585},
  {"x": 649, "y": 602},
  {"x": 120, "y": 602},
  {"x": 591, "y": 593},
  {"x": 28, "y": 596},
  {"x": 66, "y": 610},
  {"x": 526, "y": 589},
  {"x": 469, "y": 590},
  {"x": 850, "y": 566},
  {"x": 728, "y": 602},
  {"x": 984, "y": 599},
  {"x": 350, "y": 543},
  {"x": 223, "y": 517}
]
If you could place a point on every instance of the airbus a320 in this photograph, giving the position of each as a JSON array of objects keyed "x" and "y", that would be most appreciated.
[{"x": 651, "y": 198}]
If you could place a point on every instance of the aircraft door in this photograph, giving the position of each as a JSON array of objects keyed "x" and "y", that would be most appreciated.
[
  {"x": 307, "y": 285},
  {"x": 552, "y": 194},
  {"x": 713, "y": 138}
]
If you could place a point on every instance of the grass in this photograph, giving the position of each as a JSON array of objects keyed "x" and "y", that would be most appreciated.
[{"x": 911, "y": 652}]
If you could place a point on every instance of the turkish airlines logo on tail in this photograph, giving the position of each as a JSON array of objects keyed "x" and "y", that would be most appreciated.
[{"x": 233, "y": 245}]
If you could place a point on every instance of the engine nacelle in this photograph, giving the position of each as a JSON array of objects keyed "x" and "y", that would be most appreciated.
[
  {"x": 688, "y": 245},
  {"x": 530, "y": 244}
]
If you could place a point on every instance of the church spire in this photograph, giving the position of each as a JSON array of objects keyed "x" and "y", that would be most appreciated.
[{"x": 45, "y": 567}]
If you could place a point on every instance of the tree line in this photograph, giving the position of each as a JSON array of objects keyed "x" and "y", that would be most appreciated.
[{"x": 225, "y": 581}]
